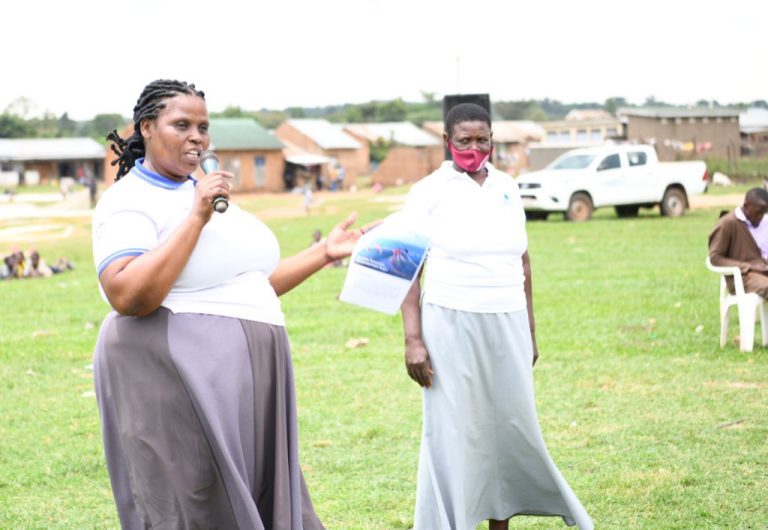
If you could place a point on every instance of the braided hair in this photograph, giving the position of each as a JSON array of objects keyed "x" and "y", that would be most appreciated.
[{"x": 148, "y": 107}]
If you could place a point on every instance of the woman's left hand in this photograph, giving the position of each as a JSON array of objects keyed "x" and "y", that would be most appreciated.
[{"x": 341, "y": 241}]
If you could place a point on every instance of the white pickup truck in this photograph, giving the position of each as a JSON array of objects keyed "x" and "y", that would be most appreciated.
[{"x": 626, "y": 177}]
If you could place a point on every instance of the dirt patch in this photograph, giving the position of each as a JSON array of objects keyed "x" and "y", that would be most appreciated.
[{"x": 700, "y": 202}]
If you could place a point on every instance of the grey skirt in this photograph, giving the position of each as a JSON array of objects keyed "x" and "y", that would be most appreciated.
[
  {"x": 199, "y": 423},
  {"x": 482, "y": 452}
]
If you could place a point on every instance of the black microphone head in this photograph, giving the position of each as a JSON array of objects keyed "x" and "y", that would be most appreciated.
[{"x": 209, "y": 161}]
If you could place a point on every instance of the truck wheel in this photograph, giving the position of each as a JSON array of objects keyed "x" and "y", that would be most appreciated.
[
  {"x": 579, "y": 208},
  {"x": 673, "y": 203},
  {"x": 628, "y": 210},
  {"x": 536, "y": 215}
]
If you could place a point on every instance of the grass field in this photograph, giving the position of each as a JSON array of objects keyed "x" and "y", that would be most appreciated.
[{"x": 653, "y": 425}]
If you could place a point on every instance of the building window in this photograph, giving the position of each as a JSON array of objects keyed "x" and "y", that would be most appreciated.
[
  {"x": 691, "y": 120},
  {"x": 552, "y": 136},
  {"x": 678, "y": 120},
  {"x": 565, "y": 137},
  {"x": 581, "y": 135},
  {"x": 733, "y": 120},
  {"x": 664, "y": 121},
  {"x": 704, "y": 120},
  {"x": 596, "y": 135},
  {"x": 718, "y": 120},
  {"x": 612, "y": 132}
]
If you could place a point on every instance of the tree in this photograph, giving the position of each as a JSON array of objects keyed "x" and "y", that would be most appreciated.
[
  {"x": 67, "y": 127},
  {"x": 369, "y": 111},
  {"x": 379, "y": 149},
  {"x": 613, "y": 104},
  {"x": 12, "y": 126},
  {"x": 296, "y": 112},
  {"x": 429, "y": 97},
  {"x": 394, "y": 110},
  {"x": 353, "y": 114},
  {"x": 103, "y": 124},
  {"x": 233, "y": 111},
  {"x": 24, "y": 108}
]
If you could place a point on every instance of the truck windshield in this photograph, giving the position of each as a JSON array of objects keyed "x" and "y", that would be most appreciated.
[{"x": 572, "y": 162}]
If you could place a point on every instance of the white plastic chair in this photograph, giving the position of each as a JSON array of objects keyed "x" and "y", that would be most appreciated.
[{"x": 748, "y": 305}]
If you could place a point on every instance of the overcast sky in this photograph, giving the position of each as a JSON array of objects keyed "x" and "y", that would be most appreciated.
[{"x": 87, "y": 57}]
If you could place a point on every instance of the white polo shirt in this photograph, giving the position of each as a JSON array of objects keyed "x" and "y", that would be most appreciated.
[
  {"x": 475, "y": 260},
  {"x": 228, "y": 271}
]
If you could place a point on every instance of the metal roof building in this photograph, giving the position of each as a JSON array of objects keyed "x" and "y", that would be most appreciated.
[
  {"x": 324, "y": 134},
  {"x": 50, "y": 149},
  {"x": 241, "y": 133},
  {"x": 401, "y": 133}
]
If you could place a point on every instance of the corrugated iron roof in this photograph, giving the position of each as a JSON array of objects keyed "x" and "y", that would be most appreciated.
[
  {"x": 241, "y": 134},
  {"x": 401, "y": 132},
  {"x": 753, "y": 120},
  {"x": 45, "y": 149},
  {"x": 325, "y": 134},
  {"x": 504, "y": 131},
  {"x": 516, "y": 131},
  {"x": 663, "y": 112},
  {"x": 434, "y": 127}
]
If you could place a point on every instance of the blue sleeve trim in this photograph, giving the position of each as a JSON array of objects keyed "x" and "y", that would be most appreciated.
[{"x": 117, "y": 255}]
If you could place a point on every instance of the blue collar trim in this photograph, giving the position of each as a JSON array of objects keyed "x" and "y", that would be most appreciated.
[{"x": 155, "y": 178}]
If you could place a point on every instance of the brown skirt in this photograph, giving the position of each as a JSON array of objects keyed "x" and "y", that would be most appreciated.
[{"x": 199, "y": 423}]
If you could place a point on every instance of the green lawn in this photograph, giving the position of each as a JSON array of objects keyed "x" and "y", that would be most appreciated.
[{"x": 653, "y": 424}]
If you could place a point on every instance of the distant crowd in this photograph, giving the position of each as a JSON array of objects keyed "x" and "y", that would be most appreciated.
[{"x": 29, "y": 264}]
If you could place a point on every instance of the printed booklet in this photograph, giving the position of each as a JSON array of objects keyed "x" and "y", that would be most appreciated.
[{"x": 385, "y": 262}]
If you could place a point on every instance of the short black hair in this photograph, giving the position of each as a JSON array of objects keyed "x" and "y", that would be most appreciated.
[
  {"x": 756, "y": 195},
  {"x": 148, "y": 106},
  {"x": 464, "y": 112}
]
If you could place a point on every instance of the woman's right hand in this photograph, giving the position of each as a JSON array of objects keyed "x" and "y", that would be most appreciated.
[
  {"x": 417, "y": 362},
  {"x": 210, "y": 186}
]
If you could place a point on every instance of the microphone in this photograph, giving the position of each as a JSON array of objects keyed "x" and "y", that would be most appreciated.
[{"x": 209, "y": 162}]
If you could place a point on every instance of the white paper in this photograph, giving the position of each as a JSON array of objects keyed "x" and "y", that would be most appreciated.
[{"x": 386, "y": 261}]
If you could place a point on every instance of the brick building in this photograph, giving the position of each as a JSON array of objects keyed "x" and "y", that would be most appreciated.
[
  {"x": 680, "y": 134},
  {"x": 412, "y": 154},
  {"x": 248, "y": 150},
  {"x": 45, "y": 160},
  {"x": 326, "y": 142}
]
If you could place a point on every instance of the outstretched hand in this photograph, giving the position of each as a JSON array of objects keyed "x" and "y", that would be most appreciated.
[{"x": 340, "y": 240}]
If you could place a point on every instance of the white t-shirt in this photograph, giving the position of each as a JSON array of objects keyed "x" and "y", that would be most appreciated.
[
  {"x": 228, "y": 271},
  {"x": 475, "y": 260}
]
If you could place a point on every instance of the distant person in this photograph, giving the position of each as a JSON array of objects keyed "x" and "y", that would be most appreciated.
[
  {"x": 193, "y": 371},
  {"x": 307, "y": 193},
  {"x": 35, "y": 266},
  {"x": 470, "y": 343},
  {"x": 13, "y": 264},
  {"x": 740, "y": 239},
  {"x": 340, "y": 175}
]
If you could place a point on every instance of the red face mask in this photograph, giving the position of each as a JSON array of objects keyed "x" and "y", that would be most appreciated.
[{"x": 470, "y": 160}]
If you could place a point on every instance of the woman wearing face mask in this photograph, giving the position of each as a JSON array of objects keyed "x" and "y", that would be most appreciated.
[{"x": 470, "y": 343}]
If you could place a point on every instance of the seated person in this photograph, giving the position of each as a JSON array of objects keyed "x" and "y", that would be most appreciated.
[
  {"x": 35, "y": 266},
  {"x": 13, "y": 265},
  {"x": 740, "y": 239}
]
